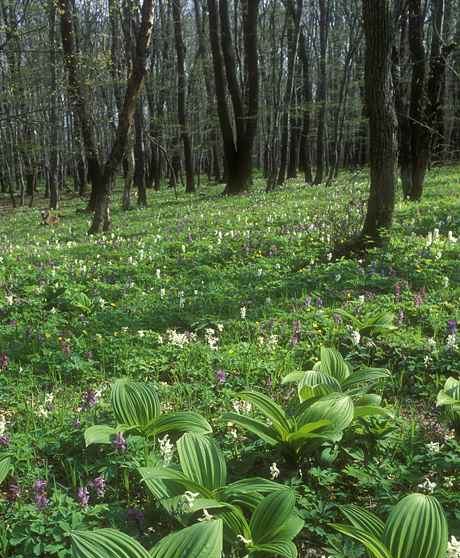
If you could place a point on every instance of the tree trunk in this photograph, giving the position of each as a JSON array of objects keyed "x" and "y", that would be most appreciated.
[
  {"x": 181, "y": 97},
  {"x": 378, "y": 27},
  {"x": 321, "y": 95}
]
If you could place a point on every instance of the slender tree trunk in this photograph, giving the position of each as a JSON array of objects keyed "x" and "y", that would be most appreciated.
[
  {"x": 321, "y": 95},
  {"x": 181, "y": 97},
  {"x": 53, "y": 183},
  {"x": 378, "y": 27}
]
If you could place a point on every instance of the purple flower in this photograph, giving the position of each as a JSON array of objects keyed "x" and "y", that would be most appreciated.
[
  {"x": 337, "y": 318},
  {"x": 452, "y": 327},
  {"x": 14, "y": 492},
  {"x": 4, "y": 441},
  {"x": 4, "y": 361},
  {"x": 221, "y": 376},
  {"x": 418, "y": 300},
  {"x": 397, "y": 292},
  {"x": 319, "y": 302},
  {"x": 40, "y": 486},
  {"x": 120, "y": 442},
  {"x": 83, "y": 496},
  {"x": 99, "y": 486},
  {"x": 77, "y": 423},
  {"x": 41, "y": 501},
  {"x": 90, "y": 399},
  {"x": 89, "y": 355},
  {"x": 296, "y": 330},
  {"x": 307, "y": 302},
  {"x": 137, "y": 516},
  {"x": 401, "y": 317},
  {"x": 65, "y": 347}
]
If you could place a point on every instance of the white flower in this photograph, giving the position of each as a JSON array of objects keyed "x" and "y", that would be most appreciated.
[
  {"x": 181, "y": 299},
  {"x": 451, "y": 237},
  {"x": 453, "y": 548},
  {"x": 243, "y": 540},
  {"x": 451, "y": 342},
  {"x": 435, "y": 235},
  {"x": 158, "y": 273},
  {"x": 429, "y": 239},
  {"x": 220, "y": 328},
  {"x": 449, "y": 482},
  {"x": 274, "y": 471},
  {"x": 190, "y": 497},
  {"x": 166, "y": 449},
  {"x": 433, "y": 447},
  {"x": 432, "y": 343},
  {"x": 361, "y": 299},
  {"x": 242, "y": 407},
  {"x": 206, "y": 516},
  {"x": 162, "y": 293},
  {"x": 2, "y": 425},
  {"x": 446, "y": 282},
  {"x": 428, "y": 486},
  {"x": 243, "y": 312},
  {"x": 49, "y": 398},
  {"x": 355, "y": 337}
]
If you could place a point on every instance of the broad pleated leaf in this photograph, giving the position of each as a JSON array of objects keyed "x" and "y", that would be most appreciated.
[
  {"x": 450, "y": 395},
  {"x": 5, "y": 468},
  {"x": 99, "y": 434},
  {"x": 417, "y": 528},
  {"x": 181, "y": 421},
  {"x": 292, "y": 378},
  {"x": 178, "y": 482},
  {"x": 376, "y": 548},
  {"x": 283, "y": 548},
  {"x": 364, "y": 519},
  {"x": 203, "y": 540},
  {"x": 134, "y": 403},
  {"x": 105, "y": 543},
  {"x": 202, "y": 461},
  {"x": 269, "y": 408},
  {"x": 364, "y": 376},
  {"x": 257, "y": 427},
  {"x": 306, "y": 431},
  {"x": 271, "y": 515},
  {"x": 371, "y": 399},
  {"x": 255, "y": 484},
  {"x": 333, "y": 364},
  {"x": 377, "y": 324},
  {"x": 370, "y": 411},
  {"x": 291, "y": 528},
  {"x": 317, "y": 383},
  {"x": 336, "y": 407}
]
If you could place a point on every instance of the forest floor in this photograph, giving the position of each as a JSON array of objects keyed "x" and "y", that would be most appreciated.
[{"x": 198, "y": 295}]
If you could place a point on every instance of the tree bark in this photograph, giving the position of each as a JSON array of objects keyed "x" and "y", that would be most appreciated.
[{"x": 378, "y": 28}]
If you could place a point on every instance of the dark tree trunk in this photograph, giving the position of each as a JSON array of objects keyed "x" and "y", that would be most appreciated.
[
  {"x": 238, "y": 149},
  {"x": 307, "y": 97},
  {"x": 321, "y": 95},
  {"x": 139, "y": 155},
  {"x": 181, "y": 97},
  {"x": 378, "y": 27},
  {"x": 53, "y": 183}
]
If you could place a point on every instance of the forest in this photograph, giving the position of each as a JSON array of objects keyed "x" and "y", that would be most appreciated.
[{"x": 229, "y": 278}]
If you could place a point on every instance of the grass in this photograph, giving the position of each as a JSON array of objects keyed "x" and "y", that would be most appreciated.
[{"x": 77, "y": 312}]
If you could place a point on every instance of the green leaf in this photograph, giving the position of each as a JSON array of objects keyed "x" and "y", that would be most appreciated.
[
  {"x": 105, "y": 543},
  {"x": 317, "y": 383},
  {"x": 251, "y": 485},
  {"x": 336, "y": 407},
  {"x": 364, "y": 376},
  {"x": 5, "y": 468},
  {"x": 181, "y": 421},
  {"x": 368, "y": 540},
  {"x": 333, "y": 364},
  {"x": 134, "y": 403},
  {"x": 417, "y": 528},
  {"x": 283, "y": 548},
  {"x": 203, "y": 540},
  {"x": 363, "y": 519},
  {"x": 257, "y": 427},
  {"x": 292, "y": 378},
  {"x": 269, "y": 408},
  {"x": 164, "y": 482},
  {"x": 305, "y": 432},
  {"x": 271, "y": 515},
  {"x": 370, "y": 411},
  {"x": 202, "y": 461},
  {"x": 99, "y": 434}
]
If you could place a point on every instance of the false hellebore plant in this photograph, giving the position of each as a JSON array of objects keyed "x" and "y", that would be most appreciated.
[
  {"x": 137, "y": 409},
  {"x": 331, "y": 397},
  {"x": 269, "y": 532},
  {"x": 449, "y": 398},
  {"x": 199, "y": 485},
  {"x": 415, "y": 528}
]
